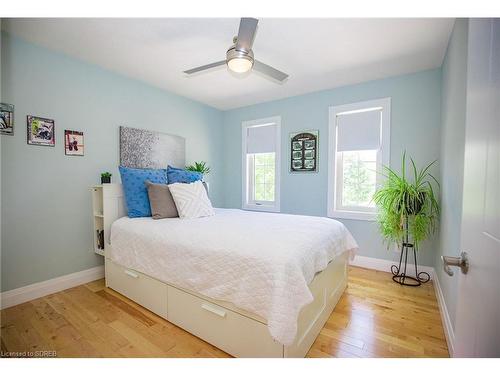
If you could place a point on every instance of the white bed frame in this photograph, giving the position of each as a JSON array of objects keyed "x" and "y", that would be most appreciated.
[{"x": 233, "y": 330}]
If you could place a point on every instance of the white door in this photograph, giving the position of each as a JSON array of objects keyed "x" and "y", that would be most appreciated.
[{"x": 478, "y": 309}]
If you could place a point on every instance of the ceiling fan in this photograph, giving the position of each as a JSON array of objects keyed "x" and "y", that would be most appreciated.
[{"x": 239, "y": 57}]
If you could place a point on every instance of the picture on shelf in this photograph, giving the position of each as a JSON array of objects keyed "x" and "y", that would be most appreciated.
[
  {"x": 304, "y": 151},
  {"x": 41, "y": 131},
  {"x": 6, "y": 119},
  {"x": 73, "y": 143},
  {"x": 100, "y": 239}
]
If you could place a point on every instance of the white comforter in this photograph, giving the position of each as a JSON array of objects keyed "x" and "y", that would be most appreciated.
[{"x": 261, "y": 262}]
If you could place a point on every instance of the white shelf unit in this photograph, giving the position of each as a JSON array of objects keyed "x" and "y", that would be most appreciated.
[{"x": 103, "y": 209}]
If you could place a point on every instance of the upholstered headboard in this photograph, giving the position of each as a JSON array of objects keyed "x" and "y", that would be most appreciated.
[{"x": 141, "y": 148}]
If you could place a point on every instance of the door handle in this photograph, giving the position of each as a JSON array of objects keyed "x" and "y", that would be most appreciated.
[{"x": 462, "y": 261}]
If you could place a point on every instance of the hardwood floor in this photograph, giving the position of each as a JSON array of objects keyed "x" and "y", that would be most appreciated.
[{"x": 374, "y": 318}]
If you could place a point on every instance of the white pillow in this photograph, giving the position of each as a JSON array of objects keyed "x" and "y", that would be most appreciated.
[{"x": 191, "y": 200}]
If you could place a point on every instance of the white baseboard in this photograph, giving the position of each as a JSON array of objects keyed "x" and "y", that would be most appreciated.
[
  {"x": 385, "y": 265},
  {"x": 445, "y": 317},
  {"x": 29, "y": 292}
]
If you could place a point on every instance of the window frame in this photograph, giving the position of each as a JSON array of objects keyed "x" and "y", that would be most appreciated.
[
  {"x": 246, "y": 204},
  {"x": 383, "y": 157}
]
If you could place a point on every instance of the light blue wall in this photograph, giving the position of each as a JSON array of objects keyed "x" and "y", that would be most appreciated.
[
  {"x": 453, "y": 103},
  {"x": 415, "y": 126},
  {"x": 46, "y": 214}
]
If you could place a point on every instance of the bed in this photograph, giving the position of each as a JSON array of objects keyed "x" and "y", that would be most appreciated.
[{"x": 253, "y": 284}]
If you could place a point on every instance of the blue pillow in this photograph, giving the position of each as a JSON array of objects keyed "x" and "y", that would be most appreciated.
[
  {"x": 134, "y": 188},
  {"x": 182, "y": 176}
]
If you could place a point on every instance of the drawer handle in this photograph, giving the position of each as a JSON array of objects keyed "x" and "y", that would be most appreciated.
[
  {"x": 214, "y": 310},
  {"x": 132, "y": 274}
]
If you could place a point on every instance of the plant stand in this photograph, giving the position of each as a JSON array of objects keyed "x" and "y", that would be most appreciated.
[{"x": 399, "y": 272}]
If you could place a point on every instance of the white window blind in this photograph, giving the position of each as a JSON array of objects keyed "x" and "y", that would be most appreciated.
[
  {"x": 261, "y": 164},
  {"x": 261, "y": 139},
  {"x": 359, "y": 146},
  {"x": 359, "y": 130}
]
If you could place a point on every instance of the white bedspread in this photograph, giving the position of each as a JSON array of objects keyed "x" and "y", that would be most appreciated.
[{"x": 261, "y": 262}]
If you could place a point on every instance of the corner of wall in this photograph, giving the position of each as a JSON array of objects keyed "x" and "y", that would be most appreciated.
[{"x": 453, "y": 100}]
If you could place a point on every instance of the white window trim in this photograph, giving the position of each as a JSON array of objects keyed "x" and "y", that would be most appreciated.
[
  {"x": 260, "y": 206},
  {"x": 385, "y": 104}
]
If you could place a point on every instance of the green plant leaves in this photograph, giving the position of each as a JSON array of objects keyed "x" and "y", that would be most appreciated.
[
  {"x": 200, "y": 167},
  {"x": 399, "y": 198}
]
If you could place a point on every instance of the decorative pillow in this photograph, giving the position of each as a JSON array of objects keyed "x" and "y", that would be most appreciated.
[
  {"x": 161, "y": 201},
  {"x": 191, "y": 200},
  {"x": 136, "y": 195},
  {"x": 183, "y": 176}
]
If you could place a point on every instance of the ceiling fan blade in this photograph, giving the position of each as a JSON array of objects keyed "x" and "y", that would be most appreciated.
[
  {"x": 246, "y": 34},
  {"x": 205, "y": 67},
  {"x": 269, "y": 71}
]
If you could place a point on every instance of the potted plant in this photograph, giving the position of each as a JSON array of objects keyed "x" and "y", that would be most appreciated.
[
  {"x": 408, "y": 210},
  {"x": 106, "y": 178},
  {"x": 200, "y": 167}
]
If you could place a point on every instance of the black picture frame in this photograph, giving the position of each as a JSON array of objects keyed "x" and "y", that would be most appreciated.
[{"x": 304, "y": 151}]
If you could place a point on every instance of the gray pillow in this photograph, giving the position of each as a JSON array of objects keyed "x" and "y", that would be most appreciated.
[{"x": 161, "y": 201}]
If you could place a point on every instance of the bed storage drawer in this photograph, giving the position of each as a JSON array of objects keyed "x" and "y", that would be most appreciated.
[
  {"x": 146, "y": 291},
  {"x": 237, "y": 335}
]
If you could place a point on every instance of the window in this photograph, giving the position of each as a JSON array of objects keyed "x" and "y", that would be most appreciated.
[
  {"x": 260, "y": 164},
  {"x": 264, "y": 176},
  {"x": 359, "y": 145}
]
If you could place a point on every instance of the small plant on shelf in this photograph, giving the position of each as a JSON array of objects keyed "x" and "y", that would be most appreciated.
[
  {"x": 200, "y": 167},
  {"x": 106, "y": 178}
]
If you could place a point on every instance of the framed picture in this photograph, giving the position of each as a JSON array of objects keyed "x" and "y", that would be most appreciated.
[
  {"x": 309, "y": 154},
  {"x": 297, "y": 145},
  {"x": 6, "y": 119},
  {"x": 304, "y": 151},
  {"x": 41, "y": 131},
  {"x": 73, "y": 143},
  {"x": 297, "y": 164}
]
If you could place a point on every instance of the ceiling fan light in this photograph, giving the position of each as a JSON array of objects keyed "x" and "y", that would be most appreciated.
[{"x": 240, "y": 64}]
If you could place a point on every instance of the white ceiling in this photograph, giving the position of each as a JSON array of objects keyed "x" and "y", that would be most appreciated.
[{"x": 318, "y": 54}]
